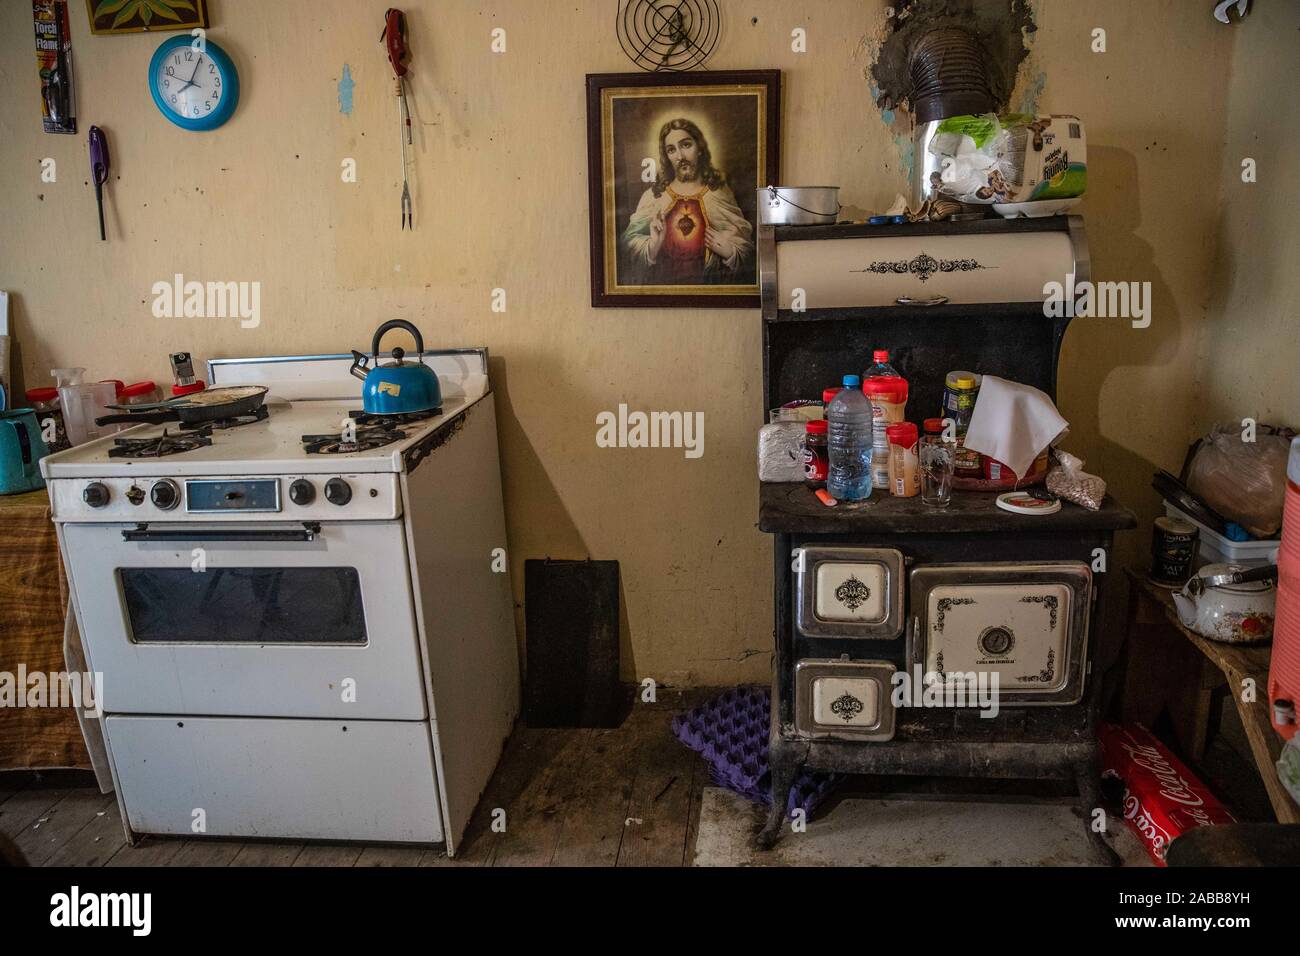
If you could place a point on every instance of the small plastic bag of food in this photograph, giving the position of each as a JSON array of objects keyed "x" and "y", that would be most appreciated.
[{"x": 1068, "y": 480}]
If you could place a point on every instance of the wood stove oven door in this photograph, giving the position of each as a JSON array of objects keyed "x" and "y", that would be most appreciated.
[
  {"x": 845, "y": 591},
  {"x": 1024, "y": 625}
]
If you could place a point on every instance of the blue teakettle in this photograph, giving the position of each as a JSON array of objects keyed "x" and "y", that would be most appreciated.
[
  {"x": 21, "y": 450},
  {"x": 399, "y": 387}
]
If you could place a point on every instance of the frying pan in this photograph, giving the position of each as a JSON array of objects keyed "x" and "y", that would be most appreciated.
[{"x": 206, "y": 406}]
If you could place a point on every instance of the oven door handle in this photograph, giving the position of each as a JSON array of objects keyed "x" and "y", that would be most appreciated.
[{"x": 310, "y": 530}]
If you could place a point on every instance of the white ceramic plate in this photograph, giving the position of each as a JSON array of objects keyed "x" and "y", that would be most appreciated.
[{"x": 1035, "y": 210}]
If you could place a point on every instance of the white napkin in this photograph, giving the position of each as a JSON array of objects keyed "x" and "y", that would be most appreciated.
[{"x": 1012, "y": 423}]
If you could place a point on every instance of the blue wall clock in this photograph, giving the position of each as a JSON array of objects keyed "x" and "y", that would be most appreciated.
[{"x": 195, "y": 89}]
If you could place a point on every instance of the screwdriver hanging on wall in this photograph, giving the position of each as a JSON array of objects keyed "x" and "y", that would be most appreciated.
[
  {"x": 399, "y": 55},
  {"x": 99, "y": 171}
]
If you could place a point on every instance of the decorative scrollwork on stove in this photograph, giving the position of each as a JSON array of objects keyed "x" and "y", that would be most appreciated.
[
  {"x": 943, "y": 606},
  {"x": 923, "y": 266},
  {"x": 846, "y": 706},
  {"x": 852, "y": 593},
  {"x": 1045, "y": 675},
  {"x": 1048, "y": 601},
  {"x": 938, "y": 667}
]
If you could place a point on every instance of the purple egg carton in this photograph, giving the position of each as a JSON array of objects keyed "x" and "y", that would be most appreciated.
[{"x": 730, "y": 732}]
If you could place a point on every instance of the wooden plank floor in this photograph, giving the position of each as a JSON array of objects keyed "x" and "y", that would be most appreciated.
[{"x": 623, "y": 797}]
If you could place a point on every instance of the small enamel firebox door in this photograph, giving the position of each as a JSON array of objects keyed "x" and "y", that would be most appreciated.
[
  {"x": 849, "y": 592},
  {"x": 844, "y": 700},
  {"x": 1025, "y": 624}
]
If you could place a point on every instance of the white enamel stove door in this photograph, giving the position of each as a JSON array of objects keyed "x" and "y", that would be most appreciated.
[
  {"x": 321, "y": 628},
  {"x": 1027, "y": 629},
  {"x": 849, "y": 592},
  {"x": 844, "y": 699}
]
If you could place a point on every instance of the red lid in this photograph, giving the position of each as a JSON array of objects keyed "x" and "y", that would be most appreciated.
[
  {"x": 933, "y": 426},
  {"x": 828, "y": 395},
  {"x": 136, "y": 389},
  {"x": 118, "y": 384},
  {"x": 902, "y": 433},
  {"x": 816, "y": 427},
  {"x": 188, "y": 389},
  {"x": 42, "y": 394},
  {"x": 880, "y": 355},
  {"x": 887, "y": 388}
]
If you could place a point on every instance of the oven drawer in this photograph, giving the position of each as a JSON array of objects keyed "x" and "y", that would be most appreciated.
[
  {"x": 840, "y": 699},
  {"x": 843, "y": 591},
  {"x": 229, "y": 626},
  {"x": 1026, "y": 623},
  {"x": 286, "y": 779}
]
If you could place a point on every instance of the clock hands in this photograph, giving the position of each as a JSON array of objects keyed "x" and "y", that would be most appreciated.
[{"x": 190, "y": 82}]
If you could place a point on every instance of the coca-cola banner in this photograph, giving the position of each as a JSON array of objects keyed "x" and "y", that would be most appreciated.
[{"x": 1162, "y": 798}]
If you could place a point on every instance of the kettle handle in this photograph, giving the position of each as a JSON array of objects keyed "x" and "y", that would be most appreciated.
[{"x": 397, "y": 324}]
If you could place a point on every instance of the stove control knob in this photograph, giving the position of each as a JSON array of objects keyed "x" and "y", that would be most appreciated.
[
  {"x": 135, "y": 495},
  {"x": 95, "y": 494},
  {"x": 164, "y": 494},
  {"x": 302, "y": 492},
  {"x": 337, "y": 491}
]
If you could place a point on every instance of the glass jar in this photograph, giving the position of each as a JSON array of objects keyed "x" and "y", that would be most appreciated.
[{"x": 45, "y": 402}]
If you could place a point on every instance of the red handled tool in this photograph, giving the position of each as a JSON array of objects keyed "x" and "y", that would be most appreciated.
[{"x": 399, "y": 55}]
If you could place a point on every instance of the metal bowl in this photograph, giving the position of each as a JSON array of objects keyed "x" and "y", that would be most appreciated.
[{"x": 798, "y": 205}]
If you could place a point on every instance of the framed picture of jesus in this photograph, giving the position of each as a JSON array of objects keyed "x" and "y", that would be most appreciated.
[{"x": 674, "y": 162}]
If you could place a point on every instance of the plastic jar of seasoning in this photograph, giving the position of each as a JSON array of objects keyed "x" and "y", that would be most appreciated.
[
  {"x": 888, "y": 396},
  {"x": 139, "y": 393},
  {"x": 816, "y": 454},
  {"x": 45, "y": 402},
  {"x": 904, "y": 468}
]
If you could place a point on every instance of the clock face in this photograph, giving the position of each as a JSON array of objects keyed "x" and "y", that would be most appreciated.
[
  {"x": 194, "y": 85},
  {"x": 190, "y": 83}
]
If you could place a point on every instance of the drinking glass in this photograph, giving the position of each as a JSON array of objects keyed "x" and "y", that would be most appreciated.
[{"x": 936, "y": 459}]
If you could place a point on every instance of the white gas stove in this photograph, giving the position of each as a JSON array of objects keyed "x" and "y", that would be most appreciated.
[{"x": 304, "y": 622}]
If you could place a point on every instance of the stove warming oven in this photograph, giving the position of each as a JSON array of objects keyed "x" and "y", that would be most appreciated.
[{"x": 872, "y": 595}]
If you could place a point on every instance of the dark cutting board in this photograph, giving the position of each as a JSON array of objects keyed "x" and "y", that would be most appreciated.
[{"x": 571, "y": 613}]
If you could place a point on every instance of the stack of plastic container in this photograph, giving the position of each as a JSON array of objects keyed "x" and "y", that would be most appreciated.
[{"x": 1284, "y": 672}]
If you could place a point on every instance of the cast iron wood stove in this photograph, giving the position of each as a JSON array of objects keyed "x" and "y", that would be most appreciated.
[{"x": 865, "y": 590}]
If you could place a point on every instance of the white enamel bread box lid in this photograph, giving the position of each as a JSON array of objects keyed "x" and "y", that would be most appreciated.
[
  {"x": 846, "y": 591},
  {"x": 924, "y": 269},
  {"x": 843, "y": 699},
  {"x": 1023, "y": 625}
]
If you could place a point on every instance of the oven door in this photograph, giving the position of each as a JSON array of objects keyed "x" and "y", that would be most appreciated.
[
  {"x": 844, "y": 699},
  {"x": 252, "y": 620},
  {"x": 847, "y": 591},
  {"x": 1026, "y": 623}
]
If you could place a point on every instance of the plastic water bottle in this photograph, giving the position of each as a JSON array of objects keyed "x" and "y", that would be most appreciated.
[
  {"x": 880, "y": 366},
  {"x": 848, "y": 430}
]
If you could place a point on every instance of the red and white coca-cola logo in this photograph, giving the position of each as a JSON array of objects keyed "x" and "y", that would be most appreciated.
[
  {"x": 1172, "y": 784},
  {"x": 1147, "y": 828}
]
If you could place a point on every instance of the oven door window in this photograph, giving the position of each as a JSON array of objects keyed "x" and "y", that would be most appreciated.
[{"x": 302, "y": 605}]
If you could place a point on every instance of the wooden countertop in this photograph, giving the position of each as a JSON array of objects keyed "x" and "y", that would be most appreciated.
[{"x": 792, "y": 507}]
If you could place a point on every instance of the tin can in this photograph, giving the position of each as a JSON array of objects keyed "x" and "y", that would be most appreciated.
[{"x": 1173, "y": 547}]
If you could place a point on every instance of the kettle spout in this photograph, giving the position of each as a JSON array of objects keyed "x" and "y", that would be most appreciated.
[
  {"x": 1186, "y": 608},
  {"x": 359, "y": 368}
]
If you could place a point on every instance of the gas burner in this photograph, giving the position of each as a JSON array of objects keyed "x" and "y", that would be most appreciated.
[
  {"x": 393, "y": 420},
  {"x": 260, "y": 414},
  {"x": 162, "y": 446},
  {"x": 367, "y": 437}
]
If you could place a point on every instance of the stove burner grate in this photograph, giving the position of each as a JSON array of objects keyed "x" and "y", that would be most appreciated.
[
  {"x": 393, "y": 420},
  {"x": 162, "y": 446},
  {"x": 366, "y": 438}
]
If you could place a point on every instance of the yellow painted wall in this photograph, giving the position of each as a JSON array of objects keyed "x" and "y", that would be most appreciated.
[
  {"x": 1251, "y": 349},
  {"x": 501, "y": 201}
]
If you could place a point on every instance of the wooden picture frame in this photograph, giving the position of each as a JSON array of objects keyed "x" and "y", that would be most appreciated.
[
  {"x": 674, "y": 163},
  {"x": 108, "y": 17}
]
